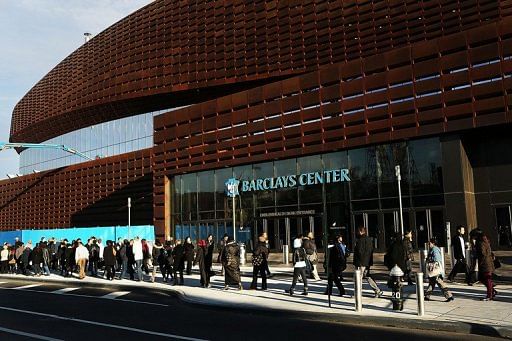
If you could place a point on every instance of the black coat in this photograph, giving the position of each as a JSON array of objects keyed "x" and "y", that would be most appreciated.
[
  {"x": 208, "y": 258},
  {"x": 108, "y": 256},
  {"x": 363, "y": 252},
  {"x": 458, "y": 251},
  {"x": 309, "y": 245},
  {"x": 396, "y": 255},
  {"x": 189, "y": 251},
  {"x": 337, "y": 260},
  {"x": 178, "y": 255},
  {"x": 37, "y": 255},
  {"x": 261, "y": 249}
]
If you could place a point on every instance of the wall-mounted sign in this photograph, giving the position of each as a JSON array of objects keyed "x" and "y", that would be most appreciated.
[
  {"x": 286, "y": 214},
  {"x": 287, "y": 181}
]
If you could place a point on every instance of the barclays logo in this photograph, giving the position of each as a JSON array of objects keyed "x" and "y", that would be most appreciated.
[{"x": 232, "y": 187}]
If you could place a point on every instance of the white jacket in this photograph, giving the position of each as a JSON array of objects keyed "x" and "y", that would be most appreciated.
[
  {"x": 137, "y": 250},
  {"x": 4, "y": 255},
  {"x": 81, "y": 252}
]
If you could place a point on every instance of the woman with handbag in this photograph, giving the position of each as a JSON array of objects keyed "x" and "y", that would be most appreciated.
[
  {"x": 259, "y": 263},
  {"x": 485, "y": 265},
  {"x": 435, "y": 272}
]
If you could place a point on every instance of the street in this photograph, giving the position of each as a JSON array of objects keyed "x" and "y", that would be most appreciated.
[{"x": 55, "y": 311}]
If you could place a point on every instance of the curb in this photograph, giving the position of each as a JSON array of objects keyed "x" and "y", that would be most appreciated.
[{"x": 426, "y": 324}]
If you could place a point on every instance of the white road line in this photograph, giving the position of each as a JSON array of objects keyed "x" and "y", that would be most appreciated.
[
  {"x": 142, "y": 331},
  {"x": 64, "y": 290},
  {"x": 34, "y": 336},
  {"x": 115, "y": 294},
  {"x": 26, "y": 287},
  {"x": 90, "y": 296}
]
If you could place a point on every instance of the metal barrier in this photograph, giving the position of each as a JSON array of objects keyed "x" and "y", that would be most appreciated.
[
  {"x": 423, "y": 261},
  {"x": 358, "y": 291},
  {"x": 420, "y": 293},
  {"x": 285, "y": 254}
]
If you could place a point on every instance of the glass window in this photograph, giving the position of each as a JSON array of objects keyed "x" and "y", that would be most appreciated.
[
  {"x": 286, "y": 196},
  {"x": 362, "y": 169},
  {"x": 221, "y": 199},
  {"x": 336, "y": 191},
  {"x": 309, "y": 193},
  {"x": 262, "y": 171},
  {"x": 206, "y": 191},
  {"x": 425, "y": 166}
]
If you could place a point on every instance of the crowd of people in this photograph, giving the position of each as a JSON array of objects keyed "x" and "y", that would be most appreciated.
[{"x": 132, "y": 258}]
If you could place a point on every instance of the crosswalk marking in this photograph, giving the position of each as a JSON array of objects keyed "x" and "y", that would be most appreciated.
[
  {"x": 27, "y": 286},
  {"x": 64, "y": 290},
  {"x": 115, "y": 294}
]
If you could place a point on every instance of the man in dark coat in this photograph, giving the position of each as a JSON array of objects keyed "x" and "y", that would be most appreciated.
[
  {"x": 231, "y": 262},
  {"x": 109, "y": 259},
  {"x": 210, "y": 247},
  {"x": 259, "y": 263},
  {"x": 337, "y": 264},
  {"x": 201, "y": 261},
  {"x": 37, "y": 258},
  {"x": 363, "y": 258},
  {"x": 123, "y": 258},
  {"x": 178, "y": 255},
  {"x": 396, "y": 254},
  {"x": 459, "y": 253}
]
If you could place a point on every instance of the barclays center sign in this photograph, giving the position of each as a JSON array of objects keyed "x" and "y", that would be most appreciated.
[{"x": 233, "y": 187}]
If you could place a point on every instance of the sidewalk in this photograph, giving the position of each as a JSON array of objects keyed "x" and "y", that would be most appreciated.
[{"x": 467, "y": 314}]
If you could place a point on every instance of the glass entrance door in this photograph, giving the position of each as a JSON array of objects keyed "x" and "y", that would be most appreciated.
[
  {"x": 391, "y": 221},
  {"x": 504, "y": 225},
  {"x": 429, "y": 224},
  {"x": 371, "y": 222}
]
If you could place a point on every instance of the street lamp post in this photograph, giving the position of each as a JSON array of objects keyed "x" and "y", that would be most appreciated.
[
  {"x": 399, "y": 177},
  {"x": 234, "y": 219},
  {"x": 129, "y": 215}
]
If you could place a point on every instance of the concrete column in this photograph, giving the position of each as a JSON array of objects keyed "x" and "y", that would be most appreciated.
[{"x": 458, "y": 184}]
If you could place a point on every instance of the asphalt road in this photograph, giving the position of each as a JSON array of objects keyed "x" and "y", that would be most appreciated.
[{"x": 86, "y": 312}]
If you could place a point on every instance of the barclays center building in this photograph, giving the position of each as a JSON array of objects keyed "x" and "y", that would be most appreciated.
[{"x": 279, "y": 117}]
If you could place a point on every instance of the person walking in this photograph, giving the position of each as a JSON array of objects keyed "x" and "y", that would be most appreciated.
[
  {"x": 123, "y": 258},
  {"x": 37, "y": 258},
  {"x": 409, "y": 256},
  {"x": 363, "y": 258},
  {"x": 109, "y": 260},
  {"x": 178, "y": 255},
  {"x": 259, "y": 264},
  {"x": 158, "y": 256},
  {"x": 311, "y": 252},
  {"x": 231, "y": 262},
  {"x": 299, "y": 267},
  {"x": 338, "y": 254},
  {"x": 46, "y": 259},
  {"x": 220, "y": 249},
  {"x": 200, "y": 260},
  {"x": 168, "y": 261},
  {"x": 210, "y": 248},
  {"x": 189, "y": 254},
  {"x": 27, "y": 251},
  {"x": 459, "y": 253},
  {"x": 485, "y": 265},
  {"x": 138, "y": 256},
  {"x": 4, "y": 259},
  {"x": 20, "y": 247},
  {"x": 81, "y": 257},
  {"x": 435, "y": 272},
  {"x": 267, "y": 244},
  {"x": 94, "y": 256}
]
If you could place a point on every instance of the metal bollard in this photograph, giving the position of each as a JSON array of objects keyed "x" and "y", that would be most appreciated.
[
  {"x": 358, "y": 291},
  {"x": 285, "y": 254},
  {"x": 423, "y": 261},
  {"x": 242, "y": 254},
  {"x": 420, "y": 294},
  {"x": 443, "y": 260}
]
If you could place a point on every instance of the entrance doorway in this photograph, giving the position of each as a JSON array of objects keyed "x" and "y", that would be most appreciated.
[
  {"x": 504, "y": 225},
  {"x": 430, "y": 224},
  {"x": 282, "y": 231}
]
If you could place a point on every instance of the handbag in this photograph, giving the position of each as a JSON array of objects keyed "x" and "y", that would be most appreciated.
[{"x": 433, "y": 269}]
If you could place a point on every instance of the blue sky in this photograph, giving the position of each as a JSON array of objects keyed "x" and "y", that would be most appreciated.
[{"x": 35, "y": 36}]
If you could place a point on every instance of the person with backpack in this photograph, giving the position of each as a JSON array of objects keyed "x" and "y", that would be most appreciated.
[
  {"x": 259, "y": 263},
  {"x": 338, "y": 254},
  {"x": 299, "y": 267}
]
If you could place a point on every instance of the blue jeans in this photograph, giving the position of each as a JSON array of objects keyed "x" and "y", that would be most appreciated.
[
  {"x": 46, "y": 269},
  {"x": 139, "y": 268},
  {"x": 124, "y": 269}
]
